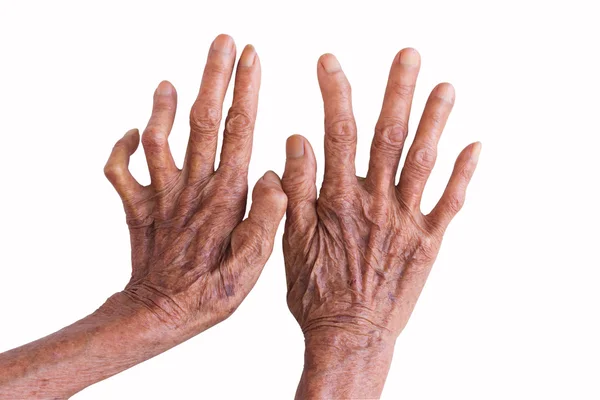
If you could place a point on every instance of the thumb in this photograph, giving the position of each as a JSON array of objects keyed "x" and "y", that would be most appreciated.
[{"x": 252, "y": 240}]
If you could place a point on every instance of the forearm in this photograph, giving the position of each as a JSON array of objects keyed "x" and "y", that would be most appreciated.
[
  {"x": 118, "y": 335},
  {"x": 341, "y": 365}
]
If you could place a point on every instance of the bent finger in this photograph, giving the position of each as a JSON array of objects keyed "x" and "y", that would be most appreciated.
[
  {"x": 155, "y": 138},
  {"x": 299, "y": 185},
  {"x": 117, "y": 167},
  {"x": 252, "y": 240}
]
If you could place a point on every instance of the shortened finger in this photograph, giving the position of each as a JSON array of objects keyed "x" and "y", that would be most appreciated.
[
  {"x": 155, "y": 138},
  {"x": 116, "y": 168},
  {"x": 252, "y": 240},
  {"x": 299, "y": 185}
]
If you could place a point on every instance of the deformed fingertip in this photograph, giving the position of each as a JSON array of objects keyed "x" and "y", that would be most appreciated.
[
  {"x": 272, "y": 177},
  {"x": 272, "y": 190},
  {"x": 131, "y": 132}
]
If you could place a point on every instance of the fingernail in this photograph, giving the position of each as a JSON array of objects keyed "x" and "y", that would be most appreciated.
[
  {"x": 164, "y": 89},
  {"x": 223, "y": 43},
  {"x": 409, "y": 57},
  {"x": 475, "y": 152},
  {"x": 330, "y": 63},
  {"x": 294, "y": 147},
  {"x": 248, "y": 56},
  {"x": 271, "y": 176},
  {"x": 445, "y": 91}
]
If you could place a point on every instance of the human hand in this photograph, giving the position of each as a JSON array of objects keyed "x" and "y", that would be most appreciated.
[
  {"x": 194, "y": 259},
  {"x": 357, "y": 258}
]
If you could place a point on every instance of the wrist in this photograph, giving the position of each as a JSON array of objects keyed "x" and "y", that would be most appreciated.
[
  {"x": 116, "y": 336},
  {"x": 143, "y": 314},
  {"x": 343, "y": 364}
]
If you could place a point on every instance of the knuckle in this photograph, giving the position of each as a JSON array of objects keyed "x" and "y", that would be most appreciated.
[
  {"x": 215, "y": 68},
  {"x": 273, "y": 192},
  {"x": 402, "y": 90},
  {"x": 205, "y": 119},
  {"x": 239, "y": 122},
  {"x": 164, "y": 103},
  {"x": 113, "y": 171},
  {"x": 436, "y": 117},
  {"x": 153, "y": 138},
  {"x": 260, "y": 244},
  {"x": 336, "y": 202},
  {"x": 244, "y": 84},
  {"x": 231, "y": 173},
  {"x": 390, "y": 133},
  {"x": 455, "y": 203},
  {"x": 298, "y": 186},
  {"x": 341, "y": 129},
  {"x": 427, "y": 250},
  {"x": 423, "y": 160},
  {"x": 466, "y": 173}
]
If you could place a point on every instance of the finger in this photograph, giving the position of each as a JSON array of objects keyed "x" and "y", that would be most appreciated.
[
  {"x": 155, "y": 138},
  {"x": 340, "y": 127},
  {"x": 239, "y": 126},
  {"x": 453, "y": 197},
  {"x": 299, "y": 186},
  {"x": 117, "y": 171},
  {"x": 205, "y": 116},
  {"x": 252, "y": 240},
  {"x": 392, "y": 126},
  {"x": 422, "y": 154}
]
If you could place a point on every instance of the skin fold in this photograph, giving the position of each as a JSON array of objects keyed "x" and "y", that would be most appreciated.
[
  {"x": 357, "y": 256},
  {"x": 194, "y": 258}
]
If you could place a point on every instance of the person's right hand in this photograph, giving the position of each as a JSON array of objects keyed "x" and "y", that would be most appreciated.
[
  {"x": 357, "y": 258},
  {"x": 194, "y": 259}
]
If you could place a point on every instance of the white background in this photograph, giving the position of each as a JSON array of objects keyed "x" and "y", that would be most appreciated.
[{"x": 511, "y": 310}]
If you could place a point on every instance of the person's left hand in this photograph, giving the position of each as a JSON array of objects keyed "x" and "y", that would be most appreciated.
[{"x": 358, "y": 254}]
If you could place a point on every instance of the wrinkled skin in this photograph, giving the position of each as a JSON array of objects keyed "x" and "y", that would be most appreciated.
[
  {"x": 357, "y": 257},
  {"x": 194, "y": 260}
]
